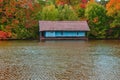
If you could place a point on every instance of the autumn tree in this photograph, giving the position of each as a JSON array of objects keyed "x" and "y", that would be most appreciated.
[
  {"x": 17, "y": 15},
  {"x": 96, "y": 15},
  {"x": 113, "y": 10},
  {"x": 11, "y": 14},
  {"x": 69, "y": 2},
  {"x": 80, "y": 9}
]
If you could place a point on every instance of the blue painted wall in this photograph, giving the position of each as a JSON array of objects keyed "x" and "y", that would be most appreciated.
[
  {"x": 69, "y": 34},
  {"x": 49, "y": 34},
  {"x": 81, "y": 34},
  {"x": 65, "y": 34},
  {"x": 58, "y": 34}
]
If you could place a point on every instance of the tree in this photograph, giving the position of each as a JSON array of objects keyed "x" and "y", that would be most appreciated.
[
  {"x": 113, "y": 10},
  {"x": 61, "y": 12},
  {"x": 11, "y": 14},
  {"x": 16, "y": 14},
  {"x": 69, "y": 2},
  {"x": 96, "y": 15},
  {"x": 81, "y": 9},
  {"x": 67, "y": 13},
  {"x": 49, "y": 13}
]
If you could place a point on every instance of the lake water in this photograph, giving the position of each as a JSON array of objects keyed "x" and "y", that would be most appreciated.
[{"x": 60, "y": 60}]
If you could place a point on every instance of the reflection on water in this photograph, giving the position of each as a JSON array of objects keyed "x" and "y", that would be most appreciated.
[{"x": 60, "y": 60}]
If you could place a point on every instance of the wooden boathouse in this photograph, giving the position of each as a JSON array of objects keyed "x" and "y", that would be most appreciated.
[{"x": 57, "y": 30}]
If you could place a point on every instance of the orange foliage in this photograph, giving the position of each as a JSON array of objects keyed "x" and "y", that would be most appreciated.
[
  {"x": 10, "y": 8},
  {"x": 5, "y": 35},
  {"x": 14, "y": 13},
  {"x": 13, "y": 3},
  {"x": 29, "y": 15},
  {"x": 1, "y": 1},
  {"x": 3, "y": 20},
  {"x": 83, "y": 3},
  {"x": 15, "y": 21},
  {"x": 30, "y": 5},
  {"x": 92, "y": 0},
  {"x": 9, "y": 34},
  {"x": 95, "y": 20},
  {"x": 60, "y": 2},
  {"x": 8, "y": 27},
  {"x": 113, "y": 7}
]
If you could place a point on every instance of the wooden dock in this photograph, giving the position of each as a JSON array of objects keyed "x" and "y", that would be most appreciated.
[{"x": 64, "y": 38}]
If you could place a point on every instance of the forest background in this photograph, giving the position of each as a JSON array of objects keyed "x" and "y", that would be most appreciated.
[{"x": 19, "y": 18}]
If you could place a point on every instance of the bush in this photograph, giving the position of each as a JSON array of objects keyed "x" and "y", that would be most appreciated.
[{"x": 21, "y": 33}]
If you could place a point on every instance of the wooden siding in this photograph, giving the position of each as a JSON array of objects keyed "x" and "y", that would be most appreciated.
[
  {"x": 63, "y": 38},
  {"x": 69, "y": 34},
  {"x": 49, "y": 34},
  {"x": 64, "y": 34},
  {"x": 81, "y": 34}
]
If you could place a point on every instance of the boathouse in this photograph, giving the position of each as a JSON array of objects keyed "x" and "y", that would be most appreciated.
[{"x": 63, "y": 30}]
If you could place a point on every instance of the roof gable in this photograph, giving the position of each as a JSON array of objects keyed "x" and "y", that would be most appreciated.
[{"x": 63, "y": 26}]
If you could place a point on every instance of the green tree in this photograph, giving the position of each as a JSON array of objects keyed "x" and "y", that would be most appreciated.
[
  {"x": 66, "y": 12},
  {"x": 49, "y": 13},
  {"x": 98, "y": 21}
]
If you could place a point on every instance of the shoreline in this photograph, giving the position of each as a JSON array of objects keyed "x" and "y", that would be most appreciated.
[{"x": 48, "y": 40}]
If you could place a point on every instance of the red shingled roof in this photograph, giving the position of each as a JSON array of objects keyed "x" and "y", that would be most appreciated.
[{"x": 63, "y": 26}]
